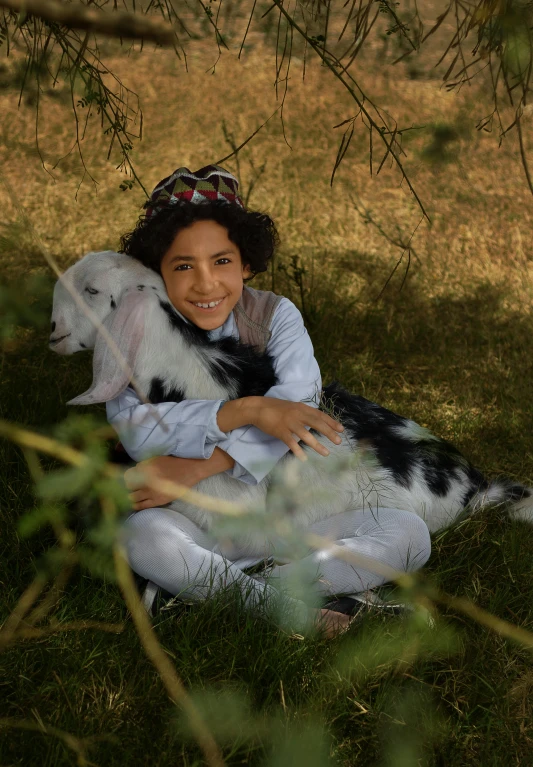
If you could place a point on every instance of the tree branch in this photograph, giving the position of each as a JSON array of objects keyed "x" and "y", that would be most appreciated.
[{"x": 77, "y": 16}]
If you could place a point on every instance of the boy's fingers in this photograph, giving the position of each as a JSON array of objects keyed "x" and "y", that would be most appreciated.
[
  {"x": 333, "y": 436},
  {"x": 147, "y": 504},
  {"x": 141, "y": 503},
  {"x": 138, "y": 495},
  {"x": 327, "y": 431},
  {"x": 296, "y": 449},
  {"x": 312, "y": 441},
  {"x": 336, "y": 423},
  {"x": 332, "y": 422}
]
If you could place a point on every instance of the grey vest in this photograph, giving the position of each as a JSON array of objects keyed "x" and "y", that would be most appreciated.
[{"x": 254, "y": 312}]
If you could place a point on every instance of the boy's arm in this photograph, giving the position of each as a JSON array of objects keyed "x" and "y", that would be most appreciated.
[
  {"x": 189, "y": 429},
  {"x": 170, "y": 428},
  {"x": 285, "y": 420},
  {"x": 256, "y": 452},
  {"x": 146, "y": 480}
]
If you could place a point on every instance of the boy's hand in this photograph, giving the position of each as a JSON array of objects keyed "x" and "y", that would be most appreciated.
[
  {"x": 287, "y": 421},
  {"x": 144, "y": 478},
  {"x": 282, "y": 419}
]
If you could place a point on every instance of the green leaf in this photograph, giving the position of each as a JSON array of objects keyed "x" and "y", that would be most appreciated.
[
  {"x": 67, "y": 483},
  {"x": 227, "y": 714},
  {"x": 395, "y": 643},
  {"x": 40, "y": 517},
  {"x": 115, "y": 491},
  {"x": 104, "y": 534},
  {"x": 301, "y": 745},
  {"x": 98, "y": 562}
]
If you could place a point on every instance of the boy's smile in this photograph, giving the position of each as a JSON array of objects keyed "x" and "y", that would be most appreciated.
[{"x": 204, "y": 274}]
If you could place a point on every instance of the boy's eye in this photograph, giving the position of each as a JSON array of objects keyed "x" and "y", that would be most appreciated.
[
  {"x": 223, "y": 261},
  {"x": 182, "y": 267}
]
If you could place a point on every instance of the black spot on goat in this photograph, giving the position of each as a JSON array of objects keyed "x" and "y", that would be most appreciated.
[{"x": 160, "y": 393}]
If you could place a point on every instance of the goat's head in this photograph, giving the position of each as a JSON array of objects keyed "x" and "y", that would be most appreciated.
[{"x": 100, "y": 281}]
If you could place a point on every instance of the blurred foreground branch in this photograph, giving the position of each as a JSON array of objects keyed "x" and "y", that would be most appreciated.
[
  {"x": 421, "y": 592},
  {"x": 78, "y": 16},
  {"x": 78, "y": 745},
  {"x": 65, "y": 453},
  {"x": 168, "y": 674}
]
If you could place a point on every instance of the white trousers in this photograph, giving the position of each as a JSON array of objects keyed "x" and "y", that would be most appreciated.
[{"x": 168, "y": 549}]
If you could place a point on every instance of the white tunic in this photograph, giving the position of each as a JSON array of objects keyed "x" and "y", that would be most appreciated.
[{"x": 190, "y": 427}]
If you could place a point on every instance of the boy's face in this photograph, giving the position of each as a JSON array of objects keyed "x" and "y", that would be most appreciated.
[{"x": 203, "y": 266}]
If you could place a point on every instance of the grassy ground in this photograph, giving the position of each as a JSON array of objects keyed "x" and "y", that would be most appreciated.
[{"x": 451, "y": 350}]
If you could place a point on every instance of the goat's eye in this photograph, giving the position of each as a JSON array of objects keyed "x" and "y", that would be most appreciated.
[{"x": 91, "y": 291}]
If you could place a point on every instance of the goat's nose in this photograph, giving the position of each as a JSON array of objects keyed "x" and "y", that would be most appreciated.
[{"x": 52, "y": 327}]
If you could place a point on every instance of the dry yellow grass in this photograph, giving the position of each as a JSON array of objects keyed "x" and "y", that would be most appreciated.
[{"x": 478, "y": 202}]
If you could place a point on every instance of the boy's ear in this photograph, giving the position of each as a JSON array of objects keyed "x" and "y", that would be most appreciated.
[{"x": 247, "y": 272}]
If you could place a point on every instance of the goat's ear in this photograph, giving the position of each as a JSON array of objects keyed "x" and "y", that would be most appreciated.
[{"x": 125, "y": 325}]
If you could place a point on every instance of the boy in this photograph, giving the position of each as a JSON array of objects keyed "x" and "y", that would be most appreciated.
[{"x": 198, "y": 236}]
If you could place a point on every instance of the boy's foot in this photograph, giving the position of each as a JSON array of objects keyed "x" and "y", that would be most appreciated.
[
  {"x": 332, "y": 623},
  {"x": 371, "y": 601},
  {"x": 363, "y": 603},
  {"x": 261, "y": 568},
  {"x": 154, "y": 599}
]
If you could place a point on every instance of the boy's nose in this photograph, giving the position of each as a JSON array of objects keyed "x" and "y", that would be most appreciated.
[{"x": 205, "y": 282}]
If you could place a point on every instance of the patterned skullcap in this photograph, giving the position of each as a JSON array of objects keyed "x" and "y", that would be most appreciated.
[{"x": 209, "y": 183}]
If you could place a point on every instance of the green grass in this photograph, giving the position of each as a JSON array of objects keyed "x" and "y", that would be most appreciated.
[{"x": 460, "y": 365}]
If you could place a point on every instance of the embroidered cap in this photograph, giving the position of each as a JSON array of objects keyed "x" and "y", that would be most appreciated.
[{"x": 209, "y": 183}]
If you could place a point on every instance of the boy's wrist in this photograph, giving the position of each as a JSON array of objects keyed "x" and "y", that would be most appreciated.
[
  {"x": 219, "y": 462},
  {"x": 237, "y": 412}
]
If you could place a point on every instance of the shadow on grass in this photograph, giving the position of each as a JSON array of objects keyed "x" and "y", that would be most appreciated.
[{"x": 461, "y": 365}]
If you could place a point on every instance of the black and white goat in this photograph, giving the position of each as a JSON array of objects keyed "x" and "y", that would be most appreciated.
[{"x": 397, "y": 464}]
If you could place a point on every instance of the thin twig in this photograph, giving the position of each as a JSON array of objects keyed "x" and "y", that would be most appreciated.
[
  {"x": 54, "y": 593},
  {"x": 78, "y": 745},
  {"x": 173, "y": 684},
  {"x": 236, "y": 150},
  {"x": 24, "y": 605},
  {"x": 333, "y": 65},
  {"x": 523, "y": 156},
  {"x": 490, "y": 621}
]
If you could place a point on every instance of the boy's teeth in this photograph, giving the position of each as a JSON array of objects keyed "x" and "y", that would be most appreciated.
[{"x": 210, "y": 305}]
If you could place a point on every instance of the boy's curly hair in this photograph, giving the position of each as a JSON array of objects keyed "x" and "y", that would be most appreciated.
[{"x": 254, "y": 233}]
